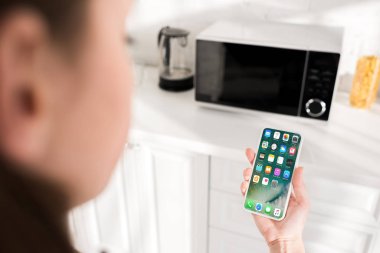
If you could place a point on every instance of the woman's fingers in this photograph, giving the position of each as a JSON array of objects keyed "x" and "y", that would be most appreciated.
[
  {"x": 247, "y": 174},
  {"x": 248, "y": 171},
  {"x": 250, "y": 155},
  {"x": 244, "y": 187},
  {"x": 299, "y": 187}
]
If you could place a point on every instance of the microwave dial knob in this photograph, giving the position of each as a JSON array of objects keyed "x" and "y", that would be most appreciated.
[{"x": 315, "y": 107}]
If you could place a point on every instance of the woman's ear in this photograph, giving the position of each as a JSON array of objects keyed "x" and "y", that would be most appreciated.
[{"x": 23, "y": 123}]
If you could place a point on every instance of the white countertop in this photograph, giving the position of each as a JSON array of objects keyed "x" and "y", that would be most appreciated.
[{"x": 350, "y": 141}]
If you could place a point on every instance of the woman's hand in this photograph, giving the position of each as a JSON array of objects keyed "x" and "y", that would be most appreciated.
[{"x": 285, "y": 235}]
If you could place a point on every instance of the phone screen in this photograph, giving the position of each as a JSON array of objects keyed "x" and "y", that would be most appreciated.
[{"x": 269, "y": 186}]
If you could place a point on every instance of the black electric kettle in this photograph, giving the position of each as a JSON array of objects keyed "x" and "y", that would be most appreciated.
[{"x": 175, "y": 73}]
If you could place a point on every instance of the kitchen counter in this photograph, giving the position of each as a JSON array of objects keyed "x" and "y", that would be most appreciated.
[{"x": 347, "y": 143}]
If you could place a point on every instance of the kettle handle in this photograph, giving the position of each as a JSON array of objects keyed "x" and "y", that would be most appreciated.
[
  {"x": 166, "y": 45},
  {"x": 160, "y": 34}
]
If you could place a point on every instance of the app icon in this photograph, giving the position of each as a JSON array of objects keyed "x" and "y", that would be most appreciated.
[
  {"x": 286, "y": 174},
  {"x": 265, "y": 181},
  {"x": 282, "y": 149},
  {"x": 249, "y": 203},
  {"x": 274, "y": 146},
  {"x": 289, "y": 162},
  {"x": 277, "y": 172},
  {"x": 259, "y": 207},
  {"x": 259, "y": 167},
  {"x": 280, "y": 160},
  {"x": 261, "y": 156},
  {"x": 276, "y": 135},
  {"x": 264, "y": 144},
  {"x": 256, "y": 179},
  {"x": 268, "y": 209},
  {"x": 277, "y": 212},
  {"x": 271, "y": 158},
  {"x": 274, "y": 183},
  {"x": 295, "y": 139},
  {"x": 292, "y": 150},
  {"x": 268, "y": 169},
  {"x": 267, "y": 133},
  {"x": 285, "y": 137}
]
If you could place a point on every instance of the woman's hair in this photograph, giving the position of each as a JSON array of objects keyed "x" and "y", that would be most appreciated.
[
  {"x": 62, "y": 17},
  {"x": 32, "y": 213}
]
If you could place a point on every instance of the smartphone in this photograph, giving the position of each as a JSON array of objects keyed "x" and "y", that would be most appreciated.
[{"x": 270, "y": 184}]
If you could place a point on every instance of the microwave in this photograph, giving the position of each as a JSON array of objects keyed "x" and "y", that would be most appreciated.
[{"x": 272, "y": 67}]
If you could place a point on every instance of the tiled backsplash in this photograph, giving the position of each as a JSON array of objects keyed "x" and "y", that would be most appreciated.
[{"x": 360, "y": 18}]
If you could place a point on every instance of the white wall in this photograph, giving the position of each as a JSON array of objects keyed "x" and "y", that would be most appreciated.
[{"x": 360, "y": 18}]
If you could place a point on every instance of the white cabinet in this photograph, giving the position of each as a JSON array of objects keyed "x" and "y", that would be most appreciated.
[
  {"x": 165, "y": 200},
  {"x": 342, "y": 217},
  {"x": 181, "y": 194},
  {"x": 113, "y": 222},
  {"x": 156, "y": 202}
]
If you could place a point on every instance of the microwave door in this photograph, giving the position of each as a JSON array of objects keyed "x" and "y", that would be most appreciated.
[
  {"x": 260, "y": 87},
  {"x": 250, "y": 76}
]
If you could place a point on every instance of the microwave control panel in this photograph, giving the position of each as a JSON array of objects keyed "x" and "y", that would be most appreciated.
[{"x": 320, "y": 79}]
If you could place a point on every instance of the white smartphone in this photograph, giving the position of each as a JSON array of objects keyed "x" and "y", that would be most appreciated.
[{"x": 270, "y": 185}]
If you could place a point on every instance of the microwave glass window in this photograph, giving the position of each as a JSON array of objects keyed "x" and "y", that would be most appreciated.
[{"x": 253, "y": 77}]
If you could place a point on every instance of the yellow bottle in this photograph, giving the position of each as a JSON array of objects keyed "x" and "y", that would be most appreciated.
[{"x": 366, "y": 82}]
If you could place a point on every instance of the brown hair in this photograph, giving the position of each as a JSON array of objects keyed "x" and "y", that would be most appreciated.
[{"x": 33, "y": 213}]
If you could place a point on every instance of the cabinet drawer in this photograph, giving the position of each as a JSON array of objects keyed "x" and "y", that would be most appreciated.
[
  {"x": 226, "y": 242},
  {"x": 221, "y": 241},
  {"x": 227, "y": 213},
  {"x": 342, "y": 200}
]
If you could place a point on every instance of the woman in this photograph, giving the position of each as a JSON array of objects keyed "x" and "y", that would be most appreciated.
[{"x": 65, "y": 91}]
